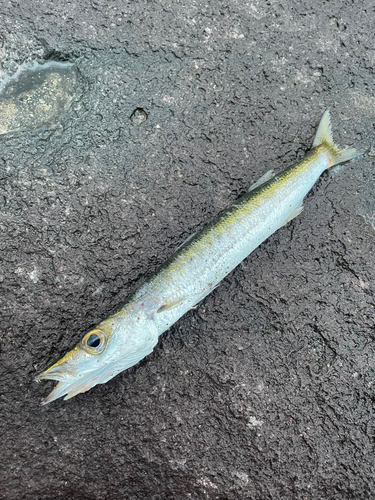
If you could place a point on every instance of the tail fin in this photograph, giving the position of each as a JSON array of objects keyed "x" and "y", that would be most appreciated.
[{"x": 324, "y": 136}]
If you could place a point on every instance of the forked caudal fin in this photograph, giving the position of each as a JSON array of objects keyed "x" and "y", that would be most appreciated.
[{"x": 324, "y": 137}]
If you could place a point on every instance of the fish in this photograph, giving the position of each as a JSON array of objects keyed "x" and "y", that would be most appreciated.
[{"x": 192, "y": 272}]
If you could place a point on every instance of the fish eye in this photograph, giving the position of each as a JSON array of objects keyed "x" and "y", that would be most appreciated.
[{"x": 94, "y": 341}]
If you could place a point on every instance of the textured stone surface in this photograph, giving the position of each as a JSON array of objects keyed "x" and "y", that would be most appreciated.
[
  {"x": 35, "y": 95},
  {"x": 266, "y": 391}
]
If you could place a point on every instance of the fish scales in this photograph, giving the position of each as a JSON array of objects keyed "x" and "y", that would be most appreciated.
[
  {"x": 192, "y": 272},
  {"x": 215, "y": 251}
]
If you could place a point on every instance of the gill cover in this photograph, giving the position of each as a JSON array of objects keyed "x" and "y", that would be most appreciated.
[{"x": 115, "y": 345}]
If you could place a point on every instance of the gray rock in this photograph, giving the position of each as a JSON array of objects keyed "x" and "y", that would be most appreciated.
[
  {"x": 265, "y": 391},
  {"x": 35, "y": 95}
]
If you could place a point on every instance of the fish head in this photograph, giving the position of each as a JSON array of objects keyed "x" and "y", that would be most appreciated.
[{"x": 113, "y": 346}]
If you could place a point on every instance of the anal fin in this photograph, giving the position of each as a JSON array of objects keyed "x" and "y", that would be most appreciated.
[{"x": 296, "y": 211}]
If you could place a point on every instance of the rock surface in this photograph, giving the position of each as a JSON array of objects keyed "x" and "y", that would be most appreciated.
[
  {"x": 35, "y": 95},
  {"x": 266, "y": 390}
]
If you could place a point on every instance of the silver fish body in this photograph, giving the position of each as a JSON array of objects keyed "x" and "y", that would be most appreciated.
[{"x": 192, "y": 272}]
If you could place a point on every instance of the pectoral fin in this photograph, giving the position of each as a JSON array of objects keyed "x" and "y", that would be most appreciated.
[
  {"x": 167, "y": 306},
  {"x": 194, "y": 298}
]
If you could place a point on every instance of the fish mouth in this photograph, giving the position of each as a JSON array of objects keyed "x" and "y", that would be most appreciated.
[
  {"x": 59, "y": 373},
  {"x": 70, "y": 384}
]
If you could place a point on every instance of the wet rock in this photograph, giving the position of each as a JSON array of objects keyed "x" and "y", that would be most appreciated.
[
  {"x": 138, "y": 116},
  {"x": 36, "y": 94},
  {"x": 254, "y": 394}
]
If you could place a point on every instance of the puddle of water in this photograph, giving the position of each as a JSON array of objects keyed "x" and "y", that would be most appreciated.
[{"x": 36, "y": 94}]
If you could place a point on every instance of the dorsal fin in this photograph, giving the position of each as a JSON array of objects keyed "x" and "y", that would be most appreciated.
[{"x": 265, "y": 178}]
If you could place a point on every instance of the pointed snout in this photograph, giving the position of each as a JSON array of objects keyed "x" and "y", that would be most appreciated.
[{"x": 58, "y": 373}]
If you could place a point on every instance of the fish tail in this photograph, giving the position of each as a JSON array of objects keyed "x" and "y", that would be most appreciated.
[{"x": 324, "y": 138}]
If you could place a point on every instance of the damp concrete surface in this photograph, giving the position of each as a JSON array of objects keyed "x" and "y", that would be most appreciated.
[{"x": 158, "y": 116}]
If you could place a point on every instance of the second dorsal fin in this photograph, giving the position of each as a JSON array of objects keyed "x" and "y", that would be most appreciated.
[{"x": 265, "y": 178}]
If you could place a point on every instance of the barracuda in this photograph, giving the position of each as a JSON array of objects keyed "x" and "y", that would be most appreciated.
[{"x": 192, "y": 272}]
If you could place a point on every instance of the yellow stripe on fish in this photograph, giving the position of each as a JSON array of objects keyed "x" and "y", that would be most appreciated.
[{"x": 193, "y": 271}]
